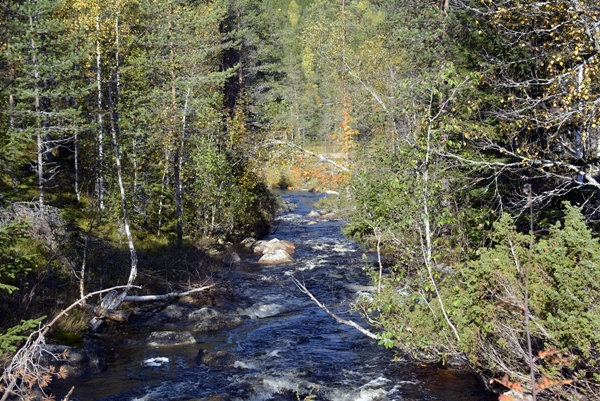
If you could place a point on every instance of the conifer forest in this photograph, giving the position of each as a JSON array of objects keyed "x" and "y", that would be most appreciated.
[{"x": 459, "y": 140}]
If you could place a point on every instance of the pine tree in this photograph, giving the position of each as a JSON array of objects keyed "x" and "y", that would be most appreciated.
[{"x": 44, "y": 84}]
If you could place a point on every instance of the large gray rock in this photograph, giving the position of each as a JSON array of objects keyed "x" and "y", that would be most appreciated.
[
  {"x": 160, "y": 314},
  {"x": 209, "y": 319},
  {"x": 170, "y": 338},
  {"x": 276, "y": 257},
  {"x": 75, "y": 362}
]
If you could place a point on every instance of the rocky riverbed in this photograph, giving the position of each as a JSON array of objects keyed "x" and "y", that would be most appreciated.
[{"x": 262, "y": 339}]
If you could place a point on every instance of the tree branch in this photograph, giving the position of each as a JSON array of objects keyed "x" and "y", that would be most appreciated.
[
  {"x": 146, "y": 298},
  {"x": 333, "y": 315},
  {"x": 274, "y": 142}
]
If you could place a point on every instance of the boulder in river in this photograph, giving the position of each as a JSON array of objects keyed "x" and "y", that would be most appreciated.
[
  {"x": 313, "y": 214},
  {"x": 170, "y": 338},
  {"x": 248, "y": 242},
  {"x": 260, "y": 246},
  {"x": 287, "y": 246},
  {"x": 215, "y": 359},
  {"x": 158, "y": 315},
  {"x": 328, "y": 216},
  {"x": 210, "y": 319},
  {"x": 75, "y": 362},
  {"x": 276, "y": 257}
]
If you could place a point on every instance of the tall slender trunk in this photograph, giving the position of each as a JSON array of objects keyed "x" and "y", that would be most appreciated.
[
  {"x": 181, "y": 144},
  {"x": 427, "y": 248},
  {"x": 113, "y": 131},
  {"x": 579, "y": 137},
  {"x": 114, "y": 120},
  {"x": 39, "y": 136},
  {"x": 345, "y": 103},
  {"x": 162, "y": 191},
  {"x": 175, "y": 135},
  {"x": 100, "y": 180},
  {"x": 76, "y": 161},
  {"x": 76, "y": 156},
  {"x": 118, "y": 63},
  {"x": 134, "y": 161},
  {"x": 11, "y": 100},
  {"x": 240, "y": 48}
]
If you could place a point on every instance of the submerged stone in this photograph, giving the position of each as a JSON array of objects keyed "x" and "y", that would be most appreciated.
[
  {"x": 215, "y": 359},
  {"x": 74, "y": 361},
  {"x": 265, "y": 310},
  {"x": 209, "y": 319},
  {"x": 170, "y": 338},
  {"x": 232, "y": 258}
]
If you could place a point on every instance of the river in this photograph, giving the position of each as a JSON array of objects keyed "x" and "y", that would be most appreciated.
[{"x": 298, "y": 352}]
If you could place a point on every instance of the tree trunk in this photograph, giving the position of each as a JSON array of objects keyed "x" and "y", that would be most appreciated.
[
  {"x": 113, "y": 130},
  {"x": 162, "y": 191},
  {"x": 11, "y": 100},
  {"x": 176, "y": 139},
  {"x": 100, "y": 173},
  {"x": 39, "y": 137}
]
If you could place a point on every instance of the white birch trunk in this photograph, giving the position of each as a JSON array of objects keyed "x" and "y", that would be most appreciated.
[
  {"x": 113, "y": 130},
  {"x": 99, "y": 116},
  {"x": 427, "y": 248}
]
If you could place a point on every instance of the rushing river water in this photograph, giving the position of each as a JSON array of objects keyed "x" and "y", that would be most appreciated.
[{"x": 298, "y": 351}]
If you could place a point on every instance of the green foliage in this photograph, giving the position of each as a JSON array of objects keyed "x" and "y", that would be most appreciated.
[
  {"x": 231, "y": 198},
  {"x": 568, "y": 298},
  {"x": 15, "y": 258},
  {"x": 16, "y": 334},
  {"x": 564, "y": 283},
  {"x": 484, "y": 299}
]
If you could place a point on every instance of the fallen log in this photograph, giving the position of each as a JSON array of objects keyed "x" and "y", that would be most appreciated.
[
  {"x": 104, "y": 313},
  {"x": 162, "y": 297},
  {"x": 113, "y": 300}
]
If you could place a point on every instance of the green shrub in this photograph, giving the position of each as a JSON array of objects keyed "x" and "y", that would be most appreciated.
[
  {"x": 484, "y": 299},
  {"x": 17, "y": 334},
  {"x": 15, "y": 257}
]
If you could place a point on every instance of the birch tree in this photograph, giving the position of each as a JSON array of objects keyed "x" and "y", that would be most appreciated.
[{"x": 542, "y": 61}]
